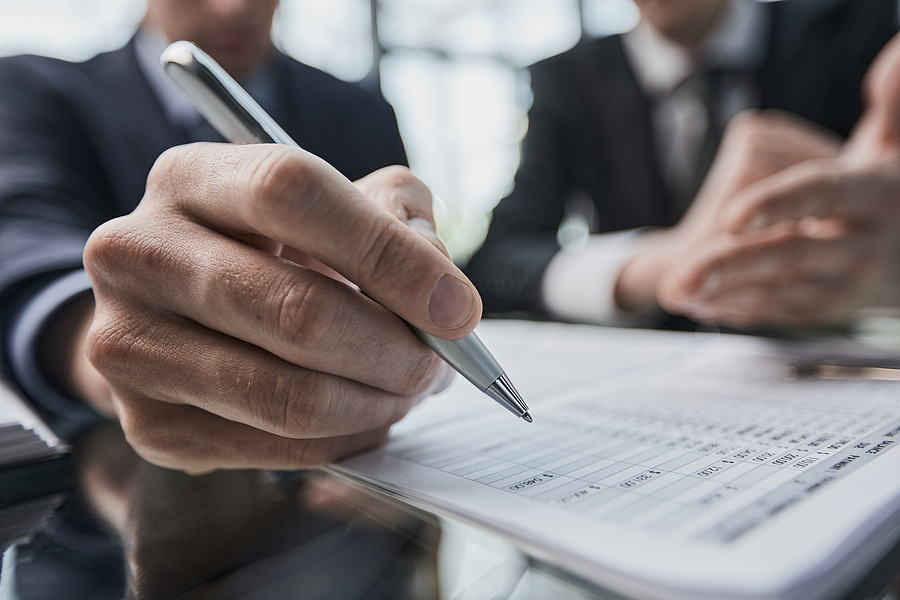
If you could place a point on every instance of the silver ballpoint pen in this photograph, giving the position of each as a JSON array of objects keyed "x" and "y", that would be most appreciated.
[{"x": 234, "y": 114}]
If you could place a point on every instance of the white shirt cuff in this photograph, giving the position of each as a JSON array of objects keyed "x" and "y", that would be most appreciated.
[{"x": 580, "y": 285}]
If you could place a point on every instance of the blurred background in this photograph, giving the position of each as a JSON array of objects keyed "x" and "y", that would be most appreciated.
[{"x": 454, "y": 70}]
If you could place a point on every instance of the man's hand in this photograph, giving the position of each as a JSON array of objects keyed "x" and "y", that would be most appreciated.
[
  {"x": 813, "y": 242},
  {"x": 756, "y": 145},
  {"x": 222, "y": 350},
  {"x": 805, "y": 249}
]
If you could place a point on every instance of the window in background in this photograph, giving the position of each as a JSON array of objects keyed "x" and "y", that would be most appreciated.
[
  {"x": 69, "y": 29},
  {"x": 456, "y": 75},
  {"x": 332, "y": 35},
  {"x": 454, "y": 70}
]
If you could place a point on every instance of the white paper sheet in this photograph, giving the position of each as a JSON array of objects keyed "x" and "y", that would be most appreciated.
[
  {"x": 24, "y": 436},
  {"x": 661, "y": 464}
]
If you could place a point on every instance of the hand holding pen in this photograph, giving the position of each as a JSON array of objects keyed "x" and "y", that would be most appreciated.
[
  {"x": 231, "y": 110},
  {"x": 221, "y": 351}
]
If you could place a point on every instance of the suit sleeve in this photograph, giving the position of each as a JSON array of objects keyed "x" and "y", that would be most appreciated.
[
  {"x": 521, "y": 240},
  {"x": 52, "y": 196}
]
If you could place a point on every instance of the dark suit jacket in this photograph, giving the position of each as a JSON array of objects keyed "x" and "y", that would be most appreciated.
[
  {"x": 590, "y": 135},
  {"x": 77, "y": 141}
]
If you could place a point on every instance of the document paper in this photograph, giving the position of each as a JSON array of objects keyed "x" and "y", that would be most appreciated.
[{"x": 661, "y": 464}]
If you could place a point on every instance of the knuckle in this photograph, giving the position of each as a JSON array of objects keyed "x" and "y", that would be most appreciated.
[
  {"x": 140, "y": 430},
  {"x": 420, "y": 374},
  {"x": 281, "y": 176},
  {"x": 165, "y": 165},
  {"x": 107, "y": 247},
  {"x": 747, "y": 123},
  {"x": 396, "y": 190},
  {"x": 173, "y": 175},
  {"x": 304, "y": 312},
  {"x": 745, "y": 119},
  {"x": 118, "y": 247},
  {"x": 397, "y": 175},
  {"x": 126, "y": 349},
  {"x": 108, "y": 345},
  {"x": 755, "y": 139},
  {"x": 387, "y": 257},
  {"x": 292, "y": 404},
  {"x": 153, "y": 431},
  {"x": 769, "y": 120},
  {"x": 307, "y": 453}
]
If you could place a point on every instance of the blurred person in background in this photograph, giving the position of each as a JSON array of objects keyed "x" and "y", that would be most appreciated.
[
  {"x": 789, "y": 227},
  {"x": 211, "y": 313}
]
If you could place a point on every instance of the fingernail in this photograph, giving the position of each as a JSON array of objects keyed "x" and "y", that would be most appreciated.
[{"x": 451, "y": 303}]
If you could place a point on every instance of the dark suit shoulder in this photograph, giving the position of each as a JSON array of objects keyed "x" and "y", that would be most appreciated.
[
  {"x": 55, "y": 70},
  {"x": 818, "y": 55},
  {"x": 351, "y": 127},
  {"x": 605, "y": 52},
  {"x": 571, "y": 83},
  {"x": 14, "y": 70},
  {"x": 31, "y": 62},
  {"x": 34, "y": 78},
  {"x": 330, "y": 91},
  {"x": 33, "y": 88}
]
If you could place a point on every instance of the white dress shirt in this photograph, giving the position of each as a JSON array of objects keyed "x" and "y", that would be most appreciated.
[{"x": 579, "y": 284}]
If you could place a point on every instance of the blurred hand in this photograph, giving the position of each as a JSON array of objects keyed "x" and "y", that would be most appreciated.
[
  {"x": 756, "y": 145},
  {"x": 807, "y": 255},
  {"x": 225, "y": 334},
  {"x": 814, "y": 241}
]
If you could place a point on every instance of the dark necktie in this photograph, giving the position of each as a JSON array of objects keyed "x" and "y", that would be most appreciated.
[{"x": 706, "y": 86}]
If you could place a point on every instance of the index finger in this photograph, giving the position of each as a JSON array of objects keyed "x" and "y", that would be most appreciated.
[
  {"x": 297, "y": 199},
  {"x": 398, "y": 191},
  {"x": 823, "y": 189}
]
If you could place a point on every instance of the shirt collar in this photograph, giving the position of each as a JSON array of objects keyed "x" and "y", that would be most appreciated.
[
  {"x": 738, "y": 43},
  {"x": 149, "y": 44}
]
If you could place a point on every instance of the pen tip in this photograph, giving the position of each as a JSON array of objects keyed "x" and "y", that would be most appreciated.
[{"x": 528, "y": 418}]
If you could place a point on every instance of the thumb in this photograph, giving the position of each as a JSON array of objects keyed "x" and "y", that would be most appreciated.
[{"x": 453, "y": 306}]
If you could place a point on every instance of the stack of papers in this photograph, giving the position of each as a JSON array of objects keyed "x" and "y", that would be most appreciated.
[
  {"x": 24, "y": 437},
  {"x": 661, "y": 464}
]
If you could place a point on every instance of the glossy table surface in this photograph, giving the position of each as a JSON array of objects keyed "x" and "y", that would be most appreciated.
[{"x": 103, "y": 523}]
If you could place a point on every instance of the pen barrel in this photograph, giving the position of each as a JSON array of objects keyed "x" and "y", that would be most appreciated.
[
  {"x": 220, "y": 99},
  {"x": 467, "y": 355}
]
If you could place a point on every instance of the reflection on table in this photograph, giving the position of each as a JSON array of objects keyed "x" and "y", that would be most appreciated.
[{"x": 126, "y": 528}]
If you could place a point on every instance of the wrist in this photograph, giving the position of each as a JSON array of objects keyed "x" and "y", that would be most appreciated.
[
  {"x": 63, "y": 356},
  {"x": 635, "y": 288}
]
